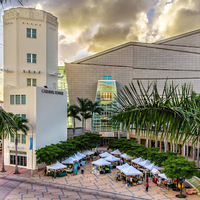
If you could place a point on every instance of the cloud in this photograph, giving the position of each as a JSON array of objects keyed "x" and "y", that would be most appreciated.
[{"x": 176, "y": 17}]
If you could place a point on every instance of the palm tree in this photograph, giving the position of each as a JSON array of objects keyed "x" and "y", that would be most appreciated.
[
  {"x": 83, "y": 108},
  {"x": 7, "y": 126},
  {"x": 73, "y": 112},
  {"x": 171, "y": 110},
  {"x": 20, "y": 126},
  {"x": 94, "y": 108}
]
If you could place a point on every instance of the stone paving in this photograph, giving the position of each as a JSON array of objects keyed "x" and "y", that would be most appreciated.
[{"x": 101, "y": 184}]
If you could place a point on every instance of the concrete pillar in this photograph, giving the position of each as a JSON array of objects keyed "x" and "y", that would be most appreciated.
[
  {"x": 160, "y": 145},
  {"x": 166, "y": 145},
  {"x": 156, "y": 142},
  {"x": 128, "y": 135},
  {"x": 183, "y": 150},
  {"x": 193, "y": 152},
  {"x": 198, "y": 146},
  {"x": 150, "y": 143},
  {"x": 187, "y": 153},
  {"x": 118, "y": 135}
]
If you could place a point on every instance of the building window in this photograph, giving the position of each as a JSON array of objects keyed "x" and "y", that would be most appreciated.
[
  {"x": 12, "y": 139},
  {"x": 23, "y": 139},
  {"x": 23, "y": 99},
  {"x": 12, "y": 99},
  {"x": 23, "y": 116},
  {"x": 54, "y": 85},
  {"x": 31, "y": 33},
  {"x": 21, "y": 158},
  {"x": 31, "y": 58},
  {"x": 17, "y": 99},
  {"x": 31, "y": 82},
  {"x": 28, "y": 81},
  {"x": 18, "y": 138}
]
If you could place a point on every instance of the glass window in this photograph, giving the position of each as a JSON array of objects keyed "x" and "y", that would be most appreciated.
[
  {"x": 23, "y": 99},
  {"x": 34, "y": 82},
  {"x": 34, "y": 32},
  {"x": 24, "y": 116},
  {"x": 31, "y": 33},
  {"x": 12, "y": 139},
  {"x": 54, "y": 85},
  {"x": 34, "y": 57},
  {"x": 18, "y": 138},
  {"x": 31, "y": 58},
  {"x": 12, "y": 99},
  {"x": 23, "y": 139},
  {"x": 17, "y": 99},
  {"x": 28, "y": 82},
  {"x": 28, "y": 32},
  {"x": 18, "y": 115},
  {"x": 28, "y": 58}
]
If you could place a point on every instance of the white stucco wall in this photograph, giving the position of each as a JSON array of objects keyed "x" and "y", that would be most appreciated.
[{"x": 51, "y": 121}]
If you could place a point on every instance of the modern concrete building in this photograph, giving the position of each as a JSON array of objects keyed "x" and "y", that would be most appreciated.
[
  {"x": 30, "y": 81},
  {"x": 176, "y": 59}
]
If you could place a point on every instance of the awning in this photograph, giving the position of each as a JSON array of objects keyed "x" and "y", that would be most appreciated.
[
  {"x": 101, "y": 162},
  {"x": 131, "y": 171}
]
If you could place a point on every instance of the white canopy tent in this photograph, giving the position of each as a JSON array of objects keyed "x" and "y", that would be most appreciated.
[
  {"x": 69, "y": 160},
  {"x": 81, "y": 155},
  {"x": 88, "y": 153},
  {"x": 155, "y": 171},
  {"x": 123, "y": 166},
  {"x": 137, "y": 160},
  {"x": 144, "y": 163},
  {"x": 104, "y": 155},
  {"x": 131, "y": 171},
  {"x": 56, "y": 166},
  {"x": 101, "y": 162},
  {"x": 116, "y": 152},
  {"x": 162, "y": 176},
  {"x": 76, "y": 157},
  {"x": 151, "y": 166},
  {"x": 112, "y": 158},
  {"x": 126, "y": 156}
]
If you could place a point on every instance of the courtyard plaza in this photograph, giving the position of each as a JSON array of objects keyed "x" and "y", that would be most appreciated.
[{"x": 80, "y": 186}]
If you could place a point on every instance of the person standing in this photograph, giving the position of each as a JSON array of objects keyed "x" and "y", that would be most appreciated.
[
  {"x": 142, "y": 176},
  {"x": 147, "y": 186}
]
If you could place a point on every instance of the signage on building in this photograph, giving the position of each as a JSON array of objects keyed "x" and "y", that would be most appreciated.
[
  {"x": 51, "y": 92},
  {"x": 107, "y": 134}
]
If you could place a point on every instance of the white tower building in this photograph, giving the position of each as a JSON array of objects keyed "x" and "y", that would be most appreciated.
[{"x": 30, "y": 81}]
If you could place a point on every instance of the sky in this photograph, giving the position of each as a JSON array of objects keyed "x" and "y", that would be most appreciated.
[{"x": 90, "y": 26}]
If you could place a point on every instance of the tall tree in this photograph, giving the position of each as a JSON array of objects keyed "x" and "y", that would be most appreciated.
[
  {"x": 84, "y": 110},
  {"x": 94, "y": 108},
  {"x": 73, "y": 112},
  {"x": 7, "y": 127},
  {"x": 142, "y": 107},
  {"x": 20, "y": 125}
]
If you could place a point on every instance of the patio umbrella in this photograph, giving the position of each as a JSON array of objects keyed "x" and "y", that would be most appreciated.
[
  {"x": 116, "y": 152},
  {"x": 123, "y": 166},
  {"x": 131, "y": 171},
  {"x": 104, "y": 155},
  {"x": 112, "y": 158},
  {"x": 101, "y": 162}
]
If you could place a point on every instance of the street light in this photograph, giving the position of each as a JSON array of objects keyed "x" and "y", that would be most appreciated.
[{"x": 32, "y": 149}]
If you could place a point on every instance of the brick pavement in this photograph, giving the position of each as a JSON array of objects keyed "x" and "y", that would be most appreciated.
[{"x": 83, "y": 185}]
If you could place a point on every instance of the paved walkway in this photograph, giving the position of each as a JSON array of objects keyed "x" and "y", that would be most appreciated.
[{"x": 82, "y": 186}]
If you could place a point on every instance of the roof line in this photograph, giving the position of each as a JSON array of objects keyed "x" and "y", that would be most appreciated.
[
  {"x": 147, "y": 45},
  {"x": 156, "y": 69},
  {"x": 177, "y": 37}
]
